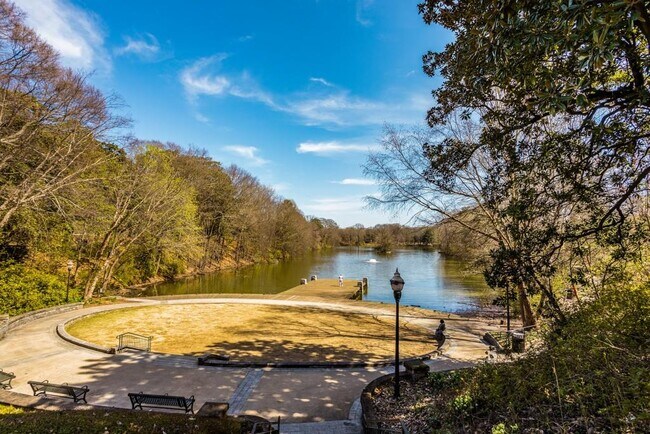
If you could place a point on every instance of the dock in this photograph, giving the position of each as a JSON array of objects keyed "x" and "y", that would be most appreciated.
[{"x": 330, "y": 289}]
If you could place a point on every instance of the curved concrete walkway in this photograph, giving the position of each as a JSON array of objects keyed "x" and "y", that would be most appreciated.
[{"x": 308, "y": 400}]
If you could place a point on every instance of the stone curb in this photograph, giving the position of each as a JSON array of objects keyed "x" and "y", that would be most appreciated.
[
  {"x": 316, "y": 365},
  {"x": 60, "y": 330},
  {"x": 368, "y": 416}
]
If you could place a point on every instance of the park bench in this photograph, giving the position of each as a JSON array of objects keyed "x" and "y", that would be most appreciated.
[
  {"x": 139, "y": 400},
  {"x": 5, "y": 379},
  {"x": 64, "y": 390}
]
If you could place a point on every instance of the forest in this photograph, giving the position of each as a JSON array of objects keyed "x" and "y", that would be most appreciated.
[
  {"x": 77, "y": 194},
  {"x": 81, "y": 199}
]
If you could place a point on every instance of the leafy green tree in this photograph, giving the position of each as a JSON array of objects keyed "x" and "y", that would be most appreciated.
[
  {"x": 23, "y": 289},
  {"x": 427, "y": 237},
  {"x": 214, "y": 197},
  {"x": 327, "y": 232},
  {"x": 147, "y": 199},
  {"x": 562, "y": 92},
  {"x": 293, "y": 233}
]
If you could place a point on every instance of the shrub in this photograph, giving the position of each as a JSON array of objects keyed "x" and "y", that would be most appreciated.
[
  {"x": 590, "y": 376},
  {"x": 462, "y": 404},
  {"x": 23, "y": 289}
]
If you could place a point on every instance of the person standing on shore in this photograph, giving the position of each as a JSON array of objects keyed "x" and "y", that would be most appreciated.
[
  {"x": 340, "y": 280},
  {"x": 440, "y": 332}
]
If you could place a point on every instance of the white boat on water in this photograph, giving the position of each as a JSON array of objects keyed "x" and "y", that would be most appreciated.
[{"x": 372, "y": 261}]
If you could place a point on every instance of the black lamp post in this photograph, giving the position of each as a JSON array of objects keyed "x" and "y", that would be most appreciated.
[
  {"x": 67, "y": 286},
  {"x": 397, "y": 284}
]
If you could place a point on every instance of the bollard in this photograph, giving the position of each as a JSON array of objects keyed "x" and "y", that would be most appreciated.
[{"x": 518, "y": 342}]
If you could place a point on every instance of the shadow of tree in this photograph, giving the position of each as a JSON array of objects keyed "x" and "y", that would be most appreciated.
[
  {"x": 111, "y": 378},
  {"x": 342, "y": 337}
]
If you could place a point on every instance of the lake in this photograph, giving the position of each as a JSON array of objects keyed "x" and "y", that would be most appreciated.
[{"x": 432, "y": 280}]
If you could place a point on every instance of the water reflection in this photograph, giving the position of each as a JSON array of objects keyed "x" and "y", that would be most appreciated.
[{"x": 432, "y": 280}]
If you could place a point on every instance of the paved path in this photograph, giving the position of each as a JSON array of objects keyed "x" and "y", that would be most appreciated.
[{"x": 308, "y": 400}]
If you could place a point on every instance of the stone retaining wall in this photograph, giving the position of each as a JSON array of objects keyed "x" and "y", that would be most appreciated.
[
  {"x": 4, "y": 324},
  {"x": 9, "y": 323},
  {"x": 369, "y": 418}
]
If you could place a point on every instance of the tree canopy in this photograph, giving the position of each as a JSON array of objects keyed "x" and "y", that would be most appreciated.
[
  {"x": 539, "y": 135},
  {"x": 124, "y": 211}
]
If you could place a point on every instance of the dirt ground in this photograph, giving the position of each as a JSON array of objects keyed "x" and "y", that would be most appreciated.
[{"x": 258, "y": 333}]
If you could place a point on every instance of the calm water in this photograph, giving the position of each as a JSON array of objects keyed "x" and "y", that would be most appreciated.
[{"x": 432, "y": 280}]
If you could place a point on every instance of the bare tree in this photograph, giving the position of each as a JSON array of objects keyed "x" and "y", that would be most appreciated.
[
  {"x": 403, "y": 169},
  {"x": 51, "y": 121}
]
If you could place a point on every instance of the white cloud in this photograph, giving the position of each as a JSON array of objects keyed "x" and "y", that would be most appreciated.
[
  {"x": 146, "y": 47},
  {"x": 201, "y": 118},
  {"x": 73, "y": 32},
  {"x": 349, "y": 210},
  {"x": 201, "y": 78},
  {"x": 340, "y": 109},
  {"x": 198, "y": 80},
  {"x": 328, "y": 107},
  {"x": 333, "y": 147},
  {"x": 355, "y": 181},
  {"x": 248, "y": 153},
  {"x": 245, "y": 38},
  {"x": 246, "y": 88},
  {"x": 336, "y": 204},
  {"x": 321, "y": 81},
  {"x": 280, "y": 187},
  {"x": 336, "y": 108},
  {"x": 362, "y": 6}
]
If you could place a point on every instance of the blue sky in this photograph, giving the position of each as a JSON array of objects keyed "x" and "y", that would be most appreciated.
[{"x": 294, "y": 91}]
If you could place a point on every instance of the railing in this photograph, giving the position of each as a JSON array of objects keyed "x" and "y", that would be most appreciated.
[{"x": 134, "y": 342}]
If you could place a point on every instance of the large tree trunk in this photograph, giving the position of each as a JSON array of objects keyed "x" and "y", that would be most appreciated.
[
  {"x": 554, "y": 306},
  {"x": 108, "y": 276},
  {"x": 93, "y": 279},
  {"x": 206, "y": 253},
  {"x": 527, "y": 316}
]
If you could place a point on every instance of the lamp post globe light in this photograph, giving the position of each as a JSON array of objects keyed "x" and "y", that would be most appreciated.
[
  {"x": 397, "y": 284},
  {"x": 67, "y": 286}
]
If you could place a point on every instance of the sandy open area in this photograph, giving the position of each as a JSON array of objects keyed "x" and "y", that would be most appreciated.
[{"x": 258, "y": 332}]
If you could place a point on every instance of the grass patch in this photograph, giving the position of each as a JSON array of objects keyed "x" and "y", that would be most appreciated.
[
  {"x": 257, "y": 332},
  {"x": 10, "y": 409},
  {"x": 14, "y": 420}
]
